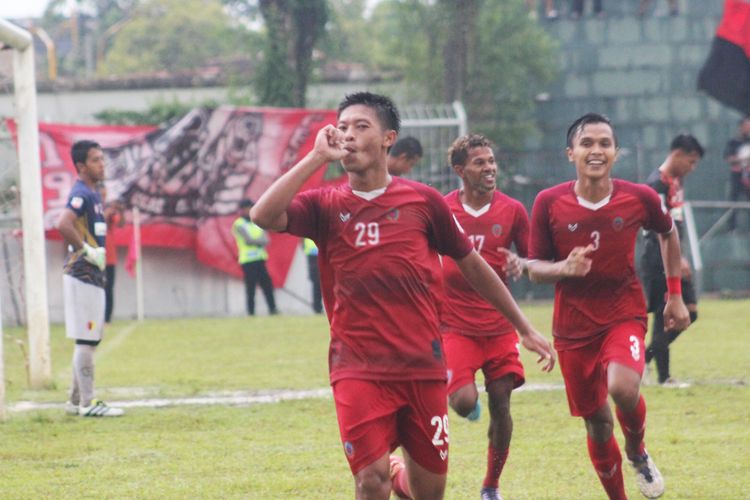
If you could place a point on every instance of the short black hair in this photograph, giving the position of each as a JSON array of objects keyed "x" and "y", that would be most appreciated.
[
  {"x": 577, "y": 126},
  {"x": 246, "y": 203},
  {"x": 383, "y": 106},
  {"x": 80, "y": 151},
  {"x": 409, "y": 146},
  {"x": 688, "y": 144},
  {"x": 458, "y": 152}
]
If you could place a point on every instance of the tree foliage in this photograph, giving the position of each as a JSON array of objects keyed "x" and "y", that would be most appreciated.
[
  {"x": 160, "y": 112},
  {"x": 486, "y": 53},
  {"x": 173, "y": 35},
  {"x": 292, "y": 29}
]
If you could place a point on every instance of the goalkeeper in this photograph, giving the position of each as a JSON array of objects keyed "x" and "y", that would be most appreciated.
[{"x": 82, "y": 226}]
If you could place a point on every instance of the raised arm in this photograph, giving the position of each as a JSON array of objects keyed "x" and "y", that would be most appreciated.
[
  {"x": 270, "y": 210},
  {"x": 676, "y": 315},
  {"x": 489, "y": 285},
  {"x": 575, "y": 265}
]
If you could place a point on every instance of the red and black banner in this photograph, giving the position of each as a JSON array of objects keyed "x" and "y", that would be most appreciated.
[
  {"x": 188, "y": 178},
  {"x": 726, "y": 73}
]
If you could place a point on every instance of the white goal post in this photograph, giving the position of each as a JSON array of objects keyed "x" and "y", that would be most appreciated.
[{"x": 34, "y": 258}]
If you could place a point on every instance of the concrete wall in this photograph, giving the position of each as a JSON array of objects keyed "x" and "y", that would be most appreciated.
[{"x": 642, "y": 73}]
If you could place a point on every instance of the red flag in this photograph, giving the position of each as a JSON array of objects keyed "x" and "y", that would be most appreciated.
[
  {"x": 132, "y": 256},
  {"x": 726, "y": 73}
]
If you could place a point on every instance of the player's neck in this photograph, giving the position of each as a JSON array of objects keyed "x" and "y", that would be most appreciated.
[
  {"x": 369, "y": 179},
  {"x": 593, "y": 190},
  {"x": 475, "y": 199},
  {"x": 666, "y": 168},
  {"x": 87, "y": 180}
]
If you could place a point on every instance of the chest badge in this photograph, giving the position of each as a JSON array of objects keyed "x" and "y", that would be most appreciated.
[
  {"x": 393, "y": 215},
  {"x": 497, "y": 229},
  {"x": 572, "y": 227},
  {"x": 618, "y": 223},
  {"x": 345, "y": 216}
]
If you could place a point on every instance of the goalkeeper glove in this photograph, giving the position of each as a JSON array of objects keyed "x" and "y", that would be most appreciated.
[{"x": 96, "y": 256}]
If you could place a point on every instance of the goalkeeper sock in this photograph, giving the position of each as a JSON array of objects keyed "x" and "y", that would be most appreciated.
[{"x": 83, "y": 365}]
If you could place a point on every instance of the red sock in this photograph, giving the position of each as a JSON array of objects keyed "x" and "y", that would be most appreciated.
[
  {"x": 495, "y": 463},
  {"x": 607, "y": 462},
  {"x": 400, "y": 484},
  {"x": 633, "y": 426}
]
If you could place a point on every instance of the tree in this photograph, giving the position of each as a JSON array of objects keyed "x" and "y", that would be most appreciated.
[
  {"x": 174, "y": 35},
  {"x": 292, "y": 28},
  {"x": 90, "y": 24},
  {"x": 484, "y": 52}
]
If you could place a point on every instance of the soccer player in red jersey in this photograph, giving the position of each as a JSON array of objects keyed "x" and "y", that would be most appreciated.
[
  {"x": 475, "y": 335},
  {"x": 378, "y": 239},
  {"x": 583, "y": 235}
]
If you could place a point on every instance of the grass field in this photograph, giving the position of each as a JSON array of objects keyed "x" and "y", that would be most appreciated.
[{"x": 699, "y": 436}]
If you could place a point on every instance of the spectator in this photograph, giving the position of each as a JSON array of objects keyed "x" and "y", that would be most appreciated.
[
  {"x": 404, "y": 155},
  {"x": 674, "y": 9},
  {"x": 82, "y": 226},
  {"x": 549, "y": 9},
  {"x": 252, "y": 256},
  {"x": 737, "y": 154},
  {"x": 313, "y": 272},
  {"x": 576, "y": 10}
]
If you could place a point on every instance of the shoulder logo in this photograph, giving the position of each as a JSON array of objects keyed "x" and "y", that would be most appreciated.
[
  {"x": 76, "y": 202},
  {"x": 618, "y": 223},
  {"x": 572, "y": 227},
  {"x": 345, "y": 216},
  {"x": 497, "y": 229}
]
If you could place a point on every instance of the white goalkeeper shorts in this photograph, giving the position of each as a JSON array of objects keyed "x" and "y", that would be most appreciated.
[{"x": 84, "y": 309}]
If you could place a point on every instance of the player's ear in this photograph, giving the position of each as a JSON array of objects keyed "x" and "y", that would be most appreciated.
[
  {"x": 390, "y": 138},
  {"x": 569, "y": 152},
  {"x": 459, "y": 169}
]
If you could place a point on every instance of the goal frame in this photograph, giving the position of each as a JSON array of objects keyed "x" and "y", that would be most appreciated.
[{"x": 34, "y": 250}]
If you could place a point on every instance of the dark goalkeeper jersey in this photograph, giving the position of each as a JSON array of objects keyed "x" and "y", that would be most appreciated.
[{"x": 90, "y": 223}]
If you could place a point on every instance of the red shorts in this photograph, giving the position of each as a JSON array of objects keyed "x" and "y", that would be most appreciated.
[
  {"x": 376, "y": 417},
  {"x": 585, "y": 369},
  {"x": 496, "y": 355}
]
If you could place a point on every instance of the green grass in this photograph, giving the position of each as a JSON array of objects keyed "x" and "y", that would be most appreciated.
[{"x": 699, "y": 436}]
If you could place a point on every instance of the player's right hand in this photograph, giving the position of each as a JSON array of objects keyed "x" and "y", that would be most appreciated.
[
  {"x": 329, "y": 144},
  {"x": 96, "y": 256},
  {"x": 578, "y": 263},
  {"x": 535, "y": 342}
]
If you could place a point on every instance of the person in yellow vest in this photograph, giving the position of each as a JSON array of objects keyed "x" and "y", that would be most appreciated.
[
  {"x": 311, "y": 251},
  {"x": 252, "y": 256}
]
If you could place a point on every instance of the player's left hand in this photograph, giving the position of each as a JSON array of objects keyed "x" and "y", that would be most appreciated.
[
  {"x": 676, "y": 315},
  {"x": 513, "y": 264},
  {"x": 535, "y": 342}
]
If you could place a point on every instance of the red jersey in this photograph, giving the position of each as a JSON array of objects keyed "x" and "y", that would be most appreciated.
[
  {"x": 498, "y": 225},
  {"x": 610, "y": 293},
  {"x": 379, "y": 276}
]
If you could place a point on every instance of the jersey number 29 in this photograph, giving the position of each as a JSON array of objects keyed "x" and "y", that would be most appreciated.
[{"x": 367, "y": 234}]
